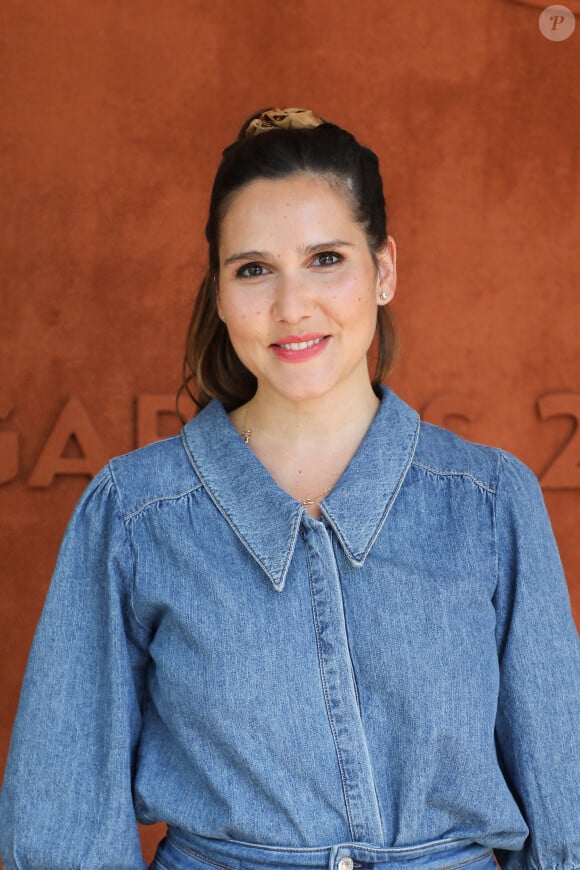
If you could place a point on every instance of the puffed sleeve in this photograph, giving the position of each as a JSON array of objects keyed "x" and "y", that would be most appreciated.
[
  {"x": 67, "y": 799},
  {"x": 538, "y": 716}
]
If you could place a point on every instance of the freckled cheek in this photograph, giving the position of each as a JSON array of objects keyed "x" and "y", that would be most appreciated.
[
  {"x": 247, "y": 327},
  {"x": 357, "y": 304},
  {"x": 241, "y": 314},
  {"x": 351, "y": 294}
]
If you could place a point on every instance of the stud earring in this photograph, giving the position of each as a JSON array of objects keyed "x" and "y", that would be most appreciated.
[{"x": 383, "y": 296}]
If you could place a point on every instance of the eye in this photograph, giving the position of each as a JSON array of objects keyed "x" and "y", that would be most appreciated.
[
  {"x": 325, "y": 256},
  {"x": 254, "y": 267}
]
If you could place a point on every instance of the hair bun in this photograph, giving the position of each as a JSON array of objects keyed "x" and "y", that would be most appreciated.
[{"x": 284, "y": 119}]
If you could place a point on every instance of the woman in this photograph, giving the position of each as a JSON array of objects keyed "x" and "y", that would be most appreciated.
[{"x": 310, "y": 631}]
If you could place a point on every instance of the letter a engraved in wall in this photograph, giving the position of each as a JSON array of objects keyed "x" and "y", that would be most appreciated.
[{"x": 74, "y": 421}]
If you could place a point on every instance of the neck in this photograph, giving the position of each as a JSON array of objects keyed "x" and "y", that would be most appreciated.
[
  {"x": 306, "y": 445},
  {"x": 307, "y": 422},
  {"x": 337, "y": 420}
]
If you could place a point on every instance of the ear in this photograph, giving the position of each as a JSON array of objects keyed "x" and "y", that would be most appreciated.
[{"x": 386, "y": 271}]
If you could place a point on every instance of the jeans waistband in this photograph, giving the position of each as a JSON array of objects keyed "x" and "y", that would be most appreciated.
[{"x": 209, "y": 854}]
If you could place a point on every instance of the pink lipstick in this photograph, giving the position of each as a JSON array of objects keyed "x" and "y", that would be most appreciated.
[{"x": 299, "y": 348}]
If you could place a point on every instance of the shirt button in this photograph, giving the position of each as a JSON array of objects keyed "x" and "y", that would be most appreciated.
[{"x": 345, "y": 864}]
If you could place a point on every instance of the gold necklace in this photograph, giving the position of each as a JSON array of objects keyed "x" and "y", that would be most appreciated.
[{"x": 246, "y": 434}]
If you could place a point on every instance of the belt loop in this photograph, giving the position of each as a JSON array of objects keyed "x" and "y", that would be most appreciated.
[{"x": 332, "y": 857}]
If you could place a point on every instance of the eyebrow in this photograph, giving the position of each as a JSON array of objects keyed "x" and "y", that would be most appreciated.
[{"x": 265, "y": 255}]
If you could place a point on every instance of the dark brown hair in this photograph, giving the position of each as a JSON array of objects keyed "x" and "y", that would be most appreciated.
[{"x": 211, "y": 364}]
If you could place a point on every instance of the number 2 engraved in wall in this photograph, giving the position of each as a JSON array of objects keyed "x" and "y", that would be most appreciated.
[{"x": 563, "y": 472}]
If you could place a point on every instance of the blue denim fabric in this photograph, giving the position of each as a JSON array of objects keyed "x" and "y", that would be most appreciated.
[
  {"x": 179, "y": 852},
  {"x": 402, "y": 674}
]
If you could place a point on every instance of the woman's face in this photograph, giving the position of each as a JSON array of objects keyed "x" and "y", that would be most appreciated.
[{"x": 298, "y": 288}]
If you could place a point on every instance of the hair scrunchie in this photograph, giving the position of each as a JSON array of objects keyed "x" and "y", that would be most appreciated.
[{"x": 284, "y": 119}]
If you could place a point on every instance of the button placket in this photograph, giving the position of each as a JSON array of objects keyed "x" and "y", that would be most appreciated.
[{"x": 339, "y": 689}]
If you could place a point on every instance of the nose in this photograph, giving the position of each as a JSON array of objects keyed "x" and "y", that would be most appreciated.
[{"x": 293, "y": 298}]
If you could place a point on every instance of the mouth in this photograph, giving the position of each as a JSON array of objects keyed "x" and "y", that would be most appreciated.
[
  {"x": 300, "y": 345},
  {"x": 299, "y": 348}
]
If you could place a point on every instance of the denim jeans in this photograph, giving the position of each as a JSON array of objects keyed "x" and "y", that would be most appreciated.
[
  {"x": 402, "y": 671},
  {"x": 177, "y": 852}
]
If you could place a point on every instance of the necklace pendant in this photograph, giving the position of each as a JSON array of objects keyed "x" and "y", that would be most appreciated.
[{"x": 246, "y": 434}]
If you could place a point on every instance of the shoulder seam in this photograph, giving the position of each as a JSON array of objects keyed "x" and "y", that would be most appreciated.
[
  {"x": 131, "y": 514},
  {"x": 129, "y": 547},
  {"x": 455, "y": 473},
  {"x": 114, "y": 484}
]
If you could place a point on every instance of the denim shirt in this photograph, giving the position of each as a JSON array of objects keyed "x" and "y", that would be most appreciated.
[{"x": 402, "y": 671}]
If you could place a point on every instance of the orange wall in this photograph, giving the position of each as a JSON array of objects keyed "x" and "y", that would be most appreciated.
[{"x": 113, "y": 118}]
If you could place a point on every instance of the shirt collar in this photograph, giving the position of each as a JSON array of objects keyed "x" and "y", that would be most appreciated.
[{"x": 267, "y": 519}]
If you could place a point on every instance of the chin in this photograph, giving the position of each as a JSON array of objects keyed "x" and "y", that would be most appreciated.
[{"x": 302, "y": 392}]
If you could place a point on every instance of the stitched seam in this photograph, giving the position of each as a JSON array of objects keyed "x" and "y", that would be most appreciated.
[
  {"x": 360, "y": 560},
  {"x": 404, "y": 850},
  {"x": 397, "y": 488},
  {"x": 202, "y": 858},
  {"x": 327, "y": 699},
  {"x": 290, "y": 548},
  {"x": 225, "y": 513},
  {"x": 440, "y": 472},
  {"x": 129, "y": 547},
  {"x": 290, "y": 541},
  {"x": 467, "y": 861},
  {"x": 396, "y": 850},
  {"x": 159, "y": 499},
  {"x": 293, "y": 849}
]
